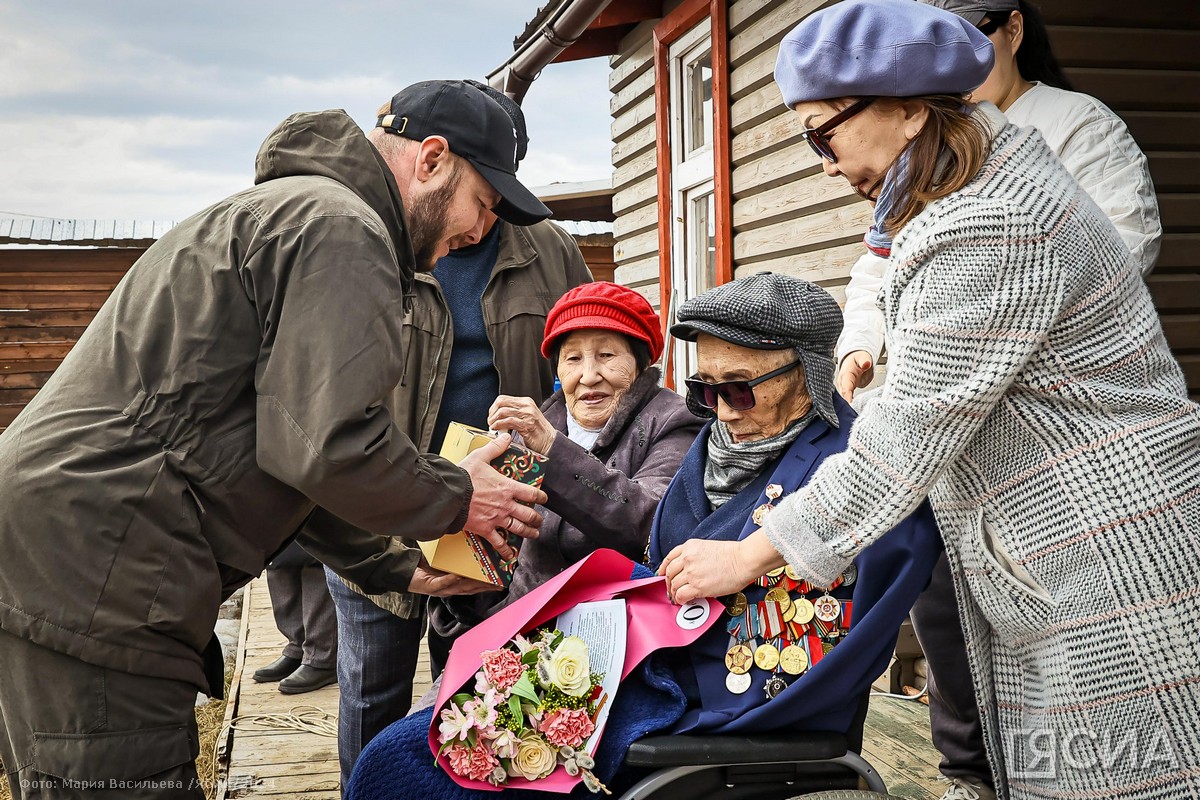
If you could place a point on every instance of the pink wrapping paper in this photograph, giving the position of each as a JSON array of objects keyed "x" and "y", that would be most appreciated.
[{"x": 651, "y": 616}]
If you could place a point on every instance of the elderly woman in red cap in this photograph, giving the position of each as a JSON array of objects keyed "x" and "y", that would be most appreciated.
[{"x": 614, "y": 437}]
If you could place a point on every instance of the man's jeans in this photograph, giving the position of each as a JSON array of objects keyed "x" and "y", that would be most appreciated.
[{"x": 376, "y": 662}]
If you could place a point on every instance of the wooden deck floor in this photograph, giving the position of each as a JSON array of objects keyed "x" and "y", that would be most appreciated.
[
  {"x": 277, "y": 764},
  {"x": 273, "y": 763}
]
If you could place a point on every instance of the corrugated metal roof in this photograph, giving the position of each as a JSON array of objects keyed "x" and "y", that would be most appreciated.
[
  {"x": 131, "y": 233},
  {"x": 585, "y": 228},
  {"x": 567, "y": 189},
  {"x": 118, "y": 233},
  {"x": 90, "y": 232}
]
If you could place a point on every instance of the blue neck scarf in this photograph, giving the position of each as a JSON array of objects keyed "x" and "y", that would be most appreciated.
[{"x": 878, "y": 240}]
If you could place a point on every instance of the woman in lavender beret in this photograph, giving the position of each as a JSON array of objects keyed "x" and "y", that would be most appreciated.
[{"x": 1031, "y": 397}]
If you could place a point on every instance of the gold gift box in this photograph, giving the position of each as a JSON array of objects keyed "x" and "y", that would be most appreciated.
[{"x": 465, "y": 553}]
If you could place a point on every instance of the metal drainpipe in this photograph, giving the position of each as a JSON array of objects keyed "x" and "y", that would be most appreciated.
[{"x": 517, "y": 74}]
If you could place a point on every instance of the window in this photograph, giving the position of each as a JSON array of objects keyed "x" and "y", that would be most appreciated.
[{"x": 693, "y": 207}]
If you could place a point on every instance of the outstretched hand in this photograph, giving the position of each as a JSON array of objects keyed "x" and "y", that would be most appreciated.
[
  {"x": 856, "y": 372},
  {"x": 497, "y": 502}
]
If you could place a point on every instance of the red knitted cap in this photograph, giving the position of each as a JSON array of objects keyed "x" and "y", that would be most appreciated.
[{"x": 604, "y": 306}]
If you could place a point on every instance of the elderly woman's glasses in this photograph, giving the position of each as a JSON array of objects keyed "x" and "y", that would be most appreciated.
[
  {"x": 738, "y": 395},
  {"x": 818, "y": 137}
]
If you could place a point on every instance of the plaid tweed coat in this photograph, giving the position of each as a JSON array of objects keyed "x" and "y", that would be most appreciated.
[{"x": 1031, "y": 396}]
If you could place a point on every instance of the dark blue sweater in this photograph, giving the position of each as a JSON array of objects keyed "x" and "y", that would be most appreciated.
[{"x": 471, "y": 379}]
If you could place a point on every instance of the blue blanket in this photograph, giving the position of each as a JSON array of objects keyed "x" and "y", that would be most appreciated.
[{"x": 397, "y": 764}]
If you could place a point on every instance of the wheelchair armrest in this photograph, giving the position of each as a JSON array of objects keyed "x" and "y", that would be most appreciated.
[{"x": 682, "y": 750}]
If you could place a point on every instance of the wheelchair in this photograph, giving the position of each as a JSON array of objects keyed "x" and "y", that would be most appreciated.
[{"x": 773, "y": 766}]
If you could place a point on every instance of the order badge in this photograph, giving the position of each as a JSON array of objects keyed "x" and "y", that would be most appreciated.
[{"x": 826, "y": 608}]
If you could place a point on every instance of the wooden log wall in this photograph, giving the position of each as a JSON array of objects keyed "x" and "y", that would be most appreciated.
[
  {"x": 47, "y": 298},
  {"x": 635, "y": 183}
]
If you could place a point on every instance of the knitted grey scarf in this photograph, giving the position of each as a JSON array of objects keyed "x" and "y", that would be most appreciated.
[{"x": 733, "y": 466}]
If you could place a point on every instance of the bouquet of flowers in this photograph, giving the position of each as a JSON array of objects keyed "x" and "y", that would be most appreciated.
[
  {"x": 533, "y": 709},
  {"x": 526, "y": 694}
]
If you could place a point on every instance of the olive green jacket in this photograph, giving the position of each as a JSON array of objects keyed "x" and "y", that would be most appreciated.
[
  {"x": 233, "y": 381},
  {"x": 535, "y": 266}
]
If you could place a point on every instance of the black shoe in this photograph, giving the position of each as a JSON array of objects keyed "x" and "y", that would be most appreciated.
[
  {"x": 307, "y": 679},
  {"x": 278, "y": 669}
]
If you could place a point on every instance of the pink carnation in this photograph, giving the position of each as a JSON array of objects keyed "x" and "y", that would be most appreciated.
[
  {"x": 476, "y": 763},
  {"x": 567, "y": 727},
  {"x": 502, "y": 668}
]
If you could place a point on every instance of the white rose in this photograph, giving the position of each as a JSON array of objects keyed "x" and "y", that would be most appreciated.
[
  {"x": 535, "y": 759},
  {"x": 569, "y": 667}
]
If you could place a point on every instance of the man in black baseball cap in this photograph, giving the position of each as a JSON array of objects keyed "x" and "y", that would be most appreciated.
[
  {"x": 237, "y": 380},
  {"x": 474, "y": 127}
]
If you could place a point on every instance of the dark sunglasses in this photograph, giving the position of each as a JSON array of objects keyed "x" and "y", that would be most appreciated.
[
  {"x": 994, "y": 21},
  {"x": 818, "y": 138},
  {"x": 738, "y": 395}
]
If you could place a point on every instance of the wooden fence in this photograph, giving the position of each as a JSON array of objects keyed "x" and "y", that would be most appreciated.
[{"x": 47, "y": 298}]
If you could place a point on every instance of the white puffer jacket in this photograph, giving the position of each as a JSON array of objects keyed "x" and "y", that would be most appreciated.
[{"x": 1099, "y": 152}]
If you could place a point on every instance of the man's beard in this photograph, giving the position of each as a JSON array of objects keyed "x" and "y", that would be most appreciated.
[{"x": 427, "y": 222}]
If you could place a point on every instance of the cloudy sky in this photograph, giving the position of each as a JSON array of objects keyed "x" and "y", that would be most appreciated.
[{"x": 152, "y": 109}]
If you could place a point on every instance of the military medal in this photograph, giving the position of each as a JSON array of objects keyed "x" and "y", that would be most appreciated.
[
  {"x": 826, "y": 608},
  {"x": 737, "y": 605},
  {"x": 790, "y": 629},
  {"x": 804, "y": 610},
  {"x": 766, "y": 657},
  {"x": 793, "y": 660},
  {"x": 738, "y": 683},
  {"x": 779, "y": 595},
  {"x": 774, "y": 686},
  {"x": 739, "y": 659}
]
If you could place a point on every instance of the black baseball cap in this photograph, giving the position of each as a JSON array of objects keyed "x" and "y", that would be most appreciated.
[
  {"x": 478, "y": 129},
  {"x": 973, "y": 11}
]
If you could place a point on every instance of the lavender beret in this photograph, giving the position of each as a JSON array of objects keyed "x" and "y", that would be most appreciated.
[{"x": 885, "y": 48}]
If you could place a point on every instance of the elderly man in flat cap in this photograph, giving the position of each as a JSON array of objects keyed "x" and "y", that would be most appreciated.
[
  {"x": 788, "y": 656},
  {"x": 765, "y": 354}
]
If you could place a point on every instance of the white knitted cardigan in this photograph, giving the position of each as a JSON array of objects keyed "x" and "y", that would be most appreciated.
[{"x": 1032, "y": 397}]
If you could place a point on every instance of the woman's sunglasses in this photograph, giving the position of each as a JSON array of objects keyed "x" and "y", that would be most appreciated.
[
  {"x": 738, "y": 395},
  {"x": 818, "y": 138}
]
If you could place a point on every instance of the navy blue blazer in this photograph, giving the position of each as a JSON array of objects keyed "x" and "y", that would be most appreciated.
[{"x": 892, "y": 572}]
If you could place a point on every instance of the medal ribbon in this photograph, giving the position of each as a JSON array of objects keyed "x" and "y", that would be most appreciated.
[{"x": 813, "y": 645}]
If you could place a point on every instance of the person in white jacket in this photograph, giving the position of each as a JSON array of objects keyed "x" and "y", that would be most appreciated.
[
  {"x": 1094, "y": 145},
  {"x": 1092, "y": 142}
]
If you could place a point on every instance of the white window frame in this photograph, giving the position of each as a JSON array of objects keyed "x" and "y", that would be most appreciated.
[{"x": 692, "y": 178}]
